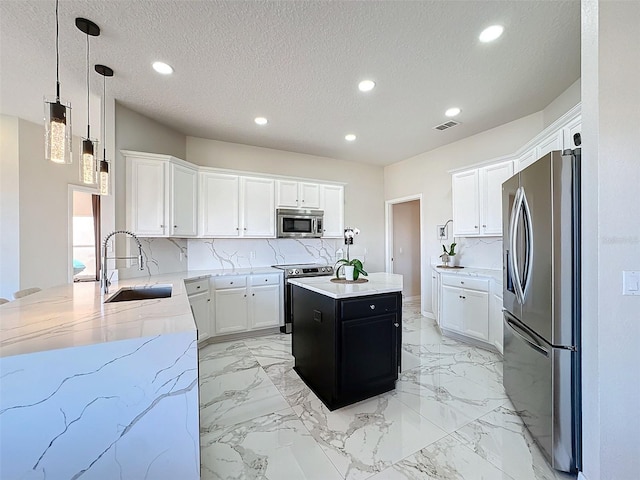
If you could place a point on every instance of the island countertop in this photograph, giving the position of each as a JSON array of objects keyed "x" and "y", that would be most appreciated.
[{"x": 377, "y": 283}]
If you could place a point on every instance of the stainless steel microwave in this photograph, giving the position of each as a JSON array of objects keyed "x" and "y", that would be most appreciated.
[{"x": 299, "y": 223}]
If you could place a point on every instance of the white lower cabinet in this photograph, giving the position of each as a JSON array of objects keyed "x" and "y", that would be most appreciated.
[
  {"x": 244, "y": 303},
  {"x": 200, "y": 301},
  {"x": 495, "y": 319},
  {"x": 435, "y": 295},
  {"x": 465, "y": 306}
]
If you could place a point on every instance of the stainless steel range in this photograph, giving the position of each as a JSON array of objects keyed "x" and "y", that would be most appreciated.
[{"x": 297, "y": 271}]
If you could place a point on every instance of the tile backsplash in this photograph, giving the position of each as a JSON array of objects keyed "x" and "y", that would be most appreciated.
[
  {"x": 485, "y": 252},
  {"x": 230, "y": 253}
]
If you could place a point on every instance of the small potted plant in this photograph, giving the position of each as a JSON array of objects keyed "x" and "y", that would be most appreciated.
[
  {"x": 449, "y": 254},
  {"x": 352, "y": 267}
]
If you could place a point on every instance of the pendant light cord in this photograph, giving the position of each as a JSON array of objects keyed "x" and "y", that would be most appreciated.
[
  {"x": 104, "y": 117},
  {"x": 57, "y": 55},
  {"x": 88, "y": 104}
]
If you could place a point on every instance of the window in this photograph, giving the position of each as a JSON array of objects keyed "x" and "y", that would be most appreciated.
[{"x": 85, "y": 236}]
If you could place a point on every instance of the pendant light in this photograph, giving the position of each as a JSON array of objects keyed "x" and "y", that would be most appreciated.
[
  {"x": 104, "y": 176},
  {"x": 88, "y": 168},
  {"x": 57, "y": 118}
]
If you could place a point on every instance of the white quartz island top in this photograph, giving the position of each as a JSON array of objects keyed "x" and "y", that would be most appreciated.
[{"x": 378, "y": 283}]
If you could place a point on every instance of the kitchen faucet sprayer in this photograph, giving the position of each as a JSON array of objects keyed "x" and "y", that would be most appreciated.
[{"x": 105, "y": 281}]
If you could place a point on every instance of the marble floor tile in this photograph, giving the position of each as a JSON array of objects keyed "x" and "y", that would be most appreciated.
[
  {"x": 270, "y": 348},
  {"x": 367, "y": 437},
  {"x": 221, "y": 358},
  {"x": 275, "y": 446},
  {"x": 237, "y": 397},
  {"x": 287, "y": 381},
  {"x": 447, "y": 459},
  {"x": 446, "y": 399},
  {"x": 501, "y": 438}
]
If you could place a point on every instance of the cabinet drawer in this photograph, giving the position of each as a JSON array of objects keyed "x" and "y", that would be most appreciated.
[
  {"x": 229, "y": 282},
  {"x": 267, "y": 279},
  {"x": 466, "y": 282},
  {"x": 196, "y": 286},
  {"x": 367, "y": 307}
]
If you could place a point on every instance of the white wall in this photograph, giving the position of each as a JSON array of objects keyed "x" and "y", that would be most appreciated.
[
  {"x": 562, "y": 104},
  {"x": 611, "y": 238},
  {"x": 427, "y": 174},
  {"x": 9, "y": 207},
  {"x": 364, "y": 192}
]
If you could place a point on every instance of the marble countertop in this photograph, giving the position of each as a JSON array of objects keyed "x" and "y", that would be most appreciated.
[
  {"x": 378, "y": 283},
  {"x": 495, "y": 274},
  {"x": 75, "y": 315}
]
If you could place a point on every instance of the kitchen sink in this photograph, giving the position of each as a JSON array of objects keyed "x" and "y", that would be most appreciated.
[{"x": 128, "y": 294}]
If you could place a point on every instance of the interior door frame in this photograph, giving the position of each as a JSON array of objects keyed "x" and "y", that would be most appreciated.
[
  {"x": 388, "y": 229},
  {"x": 70, "y": 189}
]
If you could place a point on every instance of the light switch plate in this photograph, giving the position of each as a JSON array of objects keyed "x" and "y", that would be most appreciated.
[{"x": 630, "y": 283}]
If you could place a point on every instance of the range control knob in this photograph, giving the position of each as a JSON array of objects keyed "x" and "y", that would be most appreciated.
[{"x": 323, "y": 269}]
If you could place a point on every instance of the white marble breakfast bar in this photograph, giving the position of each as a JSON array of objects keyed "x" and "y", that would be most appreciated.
[{"x": 100, "y": 390}]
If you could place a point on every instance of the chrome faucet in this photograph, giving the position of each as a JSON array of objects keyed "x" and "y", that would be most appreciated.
[{"x": 106, "y": 281}]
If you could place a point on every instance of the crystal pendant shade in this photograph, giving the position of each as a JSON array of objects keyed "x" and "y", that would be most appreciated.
[
  {"x": 89, "y": 162},
  {"x": 57, "y": 122},
  {"x": 103, "y": 178}
]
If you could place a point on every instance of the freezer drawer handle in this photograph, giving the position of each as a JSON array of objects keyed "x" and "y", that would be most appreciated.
[{"x": 528, "y": 339}]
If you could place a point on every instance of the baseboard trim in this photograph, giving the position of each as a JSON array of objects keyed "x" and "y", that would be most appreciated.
[
  {"x": 428, "y": 315},
  {"x": 581, "y": 476},
  {"x": 410, "y": 299}
]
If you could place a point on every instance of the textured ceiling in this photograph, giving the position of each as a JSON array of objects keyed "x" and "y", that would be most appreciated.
[{"x": 298, "y": 63}]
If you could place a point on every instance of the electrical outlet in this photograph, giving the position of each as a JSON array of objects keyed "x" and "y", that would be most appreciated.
[
  {"x": 252, "y": 255},
  {"x": 443, "y": 234}
]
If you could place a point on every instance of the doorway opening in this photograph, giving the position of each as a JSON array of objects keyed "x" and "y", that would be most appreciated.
[
  {"x": 404, "y": 244},
  {"x": 84, "y": 234}
]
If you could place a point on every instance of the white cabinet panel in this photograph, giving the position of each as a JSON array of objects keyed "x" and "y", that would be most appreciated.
[
  {"x": 200, "y": 309},
  {"x": 145, "y": 193},
  {"x": 526, "y": 159},
  {"x": 466, "y": 204},
  {"x": 219, "y": 205},
  {"x": 491, "y": 193},
  {"x": 452, "y": 309},
  {"x": 495, "y": 322},
  {"x": 265, "y": 306},
  {"x": 465, "y": 310},
  {"x": 231, "y": 310},
  {"x": 292, "y": 194},
  {"x": 332, "y": 202},
  {"x": 183, "y": 201},
  {"x": 258, "y": 219},
  {"x": 287, "y": 193},
  {"x": 435, "y": 295},
  {"x": 476, "y": 314},
  {"x": 552, "y": 142},
  {"x": 309, "y": 195}
]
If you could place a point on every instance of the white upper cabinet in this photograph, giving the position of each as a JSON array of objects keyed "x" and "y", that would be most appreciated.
[
  {"x": 526, "y": 159},
  {"x": 292, "y": 194},
  {"x": 258, "y": 207},
  {"x": 332, "y": 202},
  {"x": 466, "y": 203},
  {"x": 145, "y": 194},
  {"x": 491, "y": 179},
  {"x": 219, "y": 205},
  {"x": 183, "y": 201},
  {"x": 569, "y": 131},
  {"x": 477, "y": 200},
  {"x": 162, "y": 195},
  {"x": 553, "y": 141}
]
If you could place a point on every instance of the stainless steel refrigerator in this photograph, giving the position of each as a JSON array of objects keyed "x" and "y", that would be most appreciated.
[{"x": 541, "y": 282}]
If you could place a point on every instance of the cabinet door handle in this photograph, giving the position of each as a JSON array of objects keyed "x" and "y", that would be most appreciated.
[
  {"x": 396, "y": 324},
  {"x": 245, "y": 294},
  {"x": 372, "y": 307},
  {"x": 245, "y": 228},
  {"x": 208, "y": 299},
  {"x": 230, "y": 283},
  {"x": 175, "y": 226},
  {"x": 462, "y": 297},
  {"x": 237, "y": 228},
  {"x": 266, "y": 279},
  {"x": 253, "y": 294},
  {"x": 461, "y": 282},
  {"x": 161, "y": 226},
  {"x": 198, "y": 287},
  {"x": 475, "y": 226},
  {"x": 484, "y": 226}
]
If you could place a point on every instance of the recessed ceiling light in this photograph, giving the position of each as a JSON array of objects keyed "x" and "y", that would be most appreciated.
[
  {"x": 366, "y": 85},
  {"x": 489, "y": 34},
  {"x": 163, "y": 68},
  {"x": 350, "y": 137},
  {"x": 452, "y": 112},
  {"x": 261, "y": 120}
]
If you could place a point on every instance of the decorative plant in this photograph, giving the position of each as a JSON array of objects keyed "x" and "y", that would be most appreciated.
[
  {"x": 451, "y": 251},
  {"x": 349, "y": 234},
  {"x": 355, "y": 263}
]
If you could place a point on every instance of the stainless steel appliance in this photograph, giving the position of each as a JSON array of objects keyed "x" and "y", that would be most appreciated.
[
  {"x": 541, "y": 219},
  {"x": 296, "y": 271},
  {"x": 299, "y": 223}
]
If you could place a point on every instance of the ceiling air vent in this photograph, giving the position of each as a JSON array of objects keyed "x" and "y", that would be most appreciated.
[{"x": 445, "y": 125}]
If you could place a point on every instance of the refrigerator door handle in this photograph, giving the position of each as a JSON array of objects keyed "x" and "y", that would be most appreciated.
[
  {"x": 525, "y": 336},
  {"x": 513, "y": 229},
  {"x": 528, "y": 225}
]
